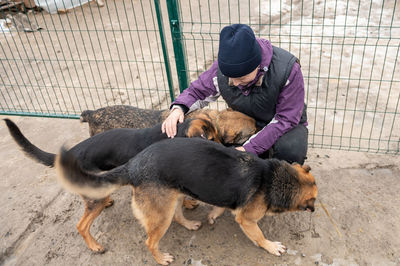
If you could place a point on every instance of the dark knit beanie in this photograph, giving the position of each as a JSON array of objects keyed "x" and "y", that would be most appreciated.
[{"x": 239, "y": 52}]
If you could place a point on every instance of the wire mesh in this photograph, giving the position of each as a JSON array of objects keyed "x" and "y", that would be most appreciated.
[
  {"x": 83, "y": 58},
  {"x": 92, "y": 56},
  {"x": 349, "y": 52}
]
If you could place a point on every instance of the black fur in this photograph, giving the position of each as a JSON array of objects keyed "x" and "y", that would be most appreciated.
[
  {"x": 77, "y": 175},
  {"x": 205, "y": 170},
  {"x": 284, "y": 188},
  {"x": 30, "y": 149},
  {"x": 103, "y": 151}
]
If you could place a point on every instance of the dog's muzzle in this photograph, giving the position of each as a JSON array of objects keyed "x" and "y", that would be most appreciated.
[
  {"x": 310, "y": 209},
  {"x": 307, "y": 208}
]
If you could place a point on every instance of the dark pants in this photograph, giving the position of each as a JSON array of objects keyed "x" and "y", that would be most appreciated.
[{"x": 291, "y": 147}]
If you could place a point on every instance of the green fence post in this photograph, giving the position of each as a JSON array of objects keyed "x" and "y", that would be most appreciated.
[
  {"x": 176, "y": 32},
  {"x": 164, "y": 49}
]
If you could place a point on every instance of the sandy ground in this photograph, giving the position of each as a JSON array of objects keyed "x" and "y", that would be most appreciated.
[{"x": 356, "y": 221}]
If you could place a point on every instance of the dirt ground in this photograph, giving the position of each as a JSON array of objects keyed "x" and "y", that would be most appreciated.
[
  {"x": 357, "y": 219},
  {"x": 356, "y": 222}
]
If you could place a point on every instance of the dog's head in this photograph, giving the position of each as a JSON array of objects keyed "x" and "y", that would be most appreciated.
[
  {"x": 235, "y": 128},
  {"x": 203, "y": 128},
  {"x": 308, "y": 192},
  {"x": 292, "y": 188}
]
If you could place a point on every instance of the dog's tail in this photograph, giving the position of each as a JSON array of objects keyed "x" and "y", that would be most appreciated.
[
  {"x": 85, "y": 115},
  {"x": 92, "y": 185},
  {"x": 29, "y": 149}
]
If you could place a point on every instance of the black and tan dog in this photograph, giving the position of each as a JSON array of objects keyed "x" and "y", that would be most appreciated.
[
  {"x": 234, "y": 128},
  {"x": 166, "y": 171},
  {"x": 108, "y": 150}
]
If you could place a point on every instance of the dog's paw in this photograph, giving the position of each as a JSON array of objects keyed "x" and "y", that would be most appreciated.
[
  {"x": 211, "y": 219},
  {"x": 165, "y": 259},
  {"x": 190, "y": 203},
  {"x": 97, "y": 248},
  {"x": 193, "y": 225},
  {"x": 214, "y": 214},
  {"x": 276, "y": 248}
]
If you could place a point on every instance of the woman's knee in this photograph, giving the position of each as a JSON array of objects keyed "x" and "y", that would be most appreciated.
[
  {"x": 292, "y": 147},
  {"x": 291, "y": 155}
]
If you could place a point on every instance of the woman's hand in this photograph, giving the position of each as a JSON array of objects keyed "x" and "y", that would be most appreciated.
[
  {"x": 240, "y": 148},
  {"x": 169, "y": 124}
]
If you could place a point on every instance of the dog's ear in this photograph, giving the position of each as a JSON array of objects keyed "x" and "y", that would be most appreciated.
[
  {"x": 210, "y": 131},
  {"x": 203, "y": 128}
]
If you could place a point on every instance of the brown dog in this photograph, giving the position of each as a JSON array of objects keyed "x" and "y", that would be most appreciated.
[
  {"x": 234, "y": 128},
  {"x": 224, "y": 177}
]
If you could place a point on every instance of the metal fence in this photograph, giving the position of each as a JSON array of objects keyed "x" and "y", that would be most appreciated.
[
  {"x": 141, "y": 52},
  {"x": 85, "y": 58}
]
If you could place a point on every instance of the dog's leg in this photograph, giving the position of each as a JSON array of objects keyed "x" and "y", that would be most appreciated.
[
  {"x": 179, "y": 218},
  {"x": 190, "y": 203},
  {"x": 214, "y": 214},
  {"x": 248, "y": 217},
  {"x": 155, "y": 209},
  {"x": 93, "y": 208}
]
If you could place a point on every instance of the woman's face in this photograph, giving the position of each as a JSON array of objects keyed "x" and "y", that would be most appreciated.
[{"x": 245, "y": 79}]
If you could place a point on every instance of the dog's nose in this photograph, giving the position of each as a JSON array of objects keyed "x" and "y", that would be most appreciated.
[{"x": 310, "y": 208}]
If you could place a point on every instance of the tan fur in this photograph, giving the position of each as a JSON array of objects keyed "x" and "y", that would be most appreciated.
[
  {"x": 190, "y": 203},
  {"x": 234, "y": 127},
  {"x": 180, "y": 218},
  {"x": 214, "y": 214},
  {"x": 93, "y": 208},
  {"x": 155, "y": 210},
  {"x": 212, "y": 114},
  {"x": 309, "y": 191},
  {"x": 196, "y": 129},
  {"x": 156, "y": 206},
  {"x": 87, "y": 191}
]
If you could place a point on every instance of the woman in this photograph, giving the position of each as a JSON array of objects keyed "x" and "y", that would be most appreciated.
[{"x": 260, "y": 80}]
